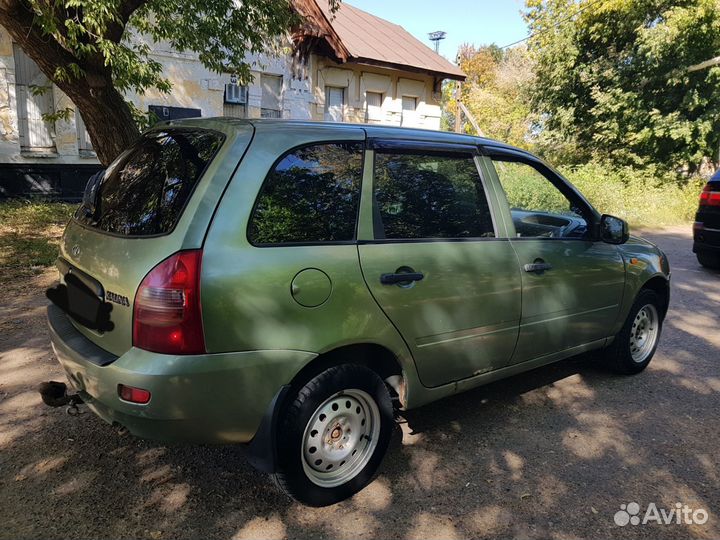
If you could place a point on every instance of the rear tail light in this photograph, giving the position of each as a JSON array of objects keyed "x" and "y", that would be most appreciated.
[
  {"x": 167, "y": 317},
  {"x": 708, "y": 197}
]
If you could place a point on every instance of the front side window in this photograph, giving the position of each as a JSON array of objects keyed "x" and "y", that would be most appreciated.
[
  {"x": 426, "y": 196},
  {"x": 537, "y": 206},
  {"x": 311, "y": 195},
  {"x": 144, "y": 191}
]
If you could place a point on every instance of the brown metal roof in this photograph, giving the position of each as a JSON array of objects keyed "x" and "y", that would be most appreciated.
[{"x": 372, "y": 40}]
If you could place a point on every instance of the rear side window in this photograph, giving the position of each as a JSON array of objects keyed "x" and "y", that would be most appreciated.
[
  {"x": 429, "y": 196},
  {"x": 144, "y": 191},
  {"x": 311, "y": 195}
]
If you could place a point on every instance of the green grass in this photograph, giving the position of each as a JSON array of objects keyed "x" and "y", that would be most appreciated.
[{"x": 30, "y": 234}]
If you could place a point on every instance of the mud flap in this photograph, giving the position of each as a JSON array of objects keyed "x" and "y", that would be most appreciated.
[{"x": 262, "y": 450}]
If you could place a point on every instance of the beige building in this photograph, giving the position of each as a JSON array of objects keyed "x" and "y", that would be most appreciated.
[{"x": 346, "y": 67}]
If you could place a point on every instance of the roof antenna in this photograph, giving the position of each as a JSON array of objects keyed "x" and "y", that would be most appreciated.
[{"x": 436, "y": 37}]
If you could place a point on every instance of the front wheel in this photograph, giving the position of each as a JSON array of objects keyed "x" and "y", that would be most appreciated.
[
  {"x": 333, "y": 435},
  {"x": 635, "y": 344}
]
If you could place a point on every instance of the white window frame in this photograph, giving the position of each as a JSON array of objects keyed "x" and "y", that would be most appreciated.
[{"x": 331, "y": 110}]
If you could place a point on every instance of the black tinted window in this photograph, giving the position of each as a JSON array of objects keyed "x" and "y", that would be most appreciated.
[
  {"x": 311, "y": 195},
  {"x": 144, "y": 191},
  {"x": 429, "y": 196}
]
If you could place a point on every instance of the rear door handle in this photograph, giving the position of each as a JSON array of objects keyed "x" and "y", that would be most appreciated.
[
  {"x": 403, "y": 277},
  {"x": 537, "y": 267}
]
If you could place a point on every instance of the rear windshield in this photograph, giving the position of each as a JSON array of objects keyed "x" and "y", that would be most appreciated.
[{"x": 143, "y": 192}]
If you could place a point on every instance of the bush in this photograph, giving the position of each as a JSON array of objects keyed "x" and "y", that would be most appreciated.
[{"x": 641, "y": 197}]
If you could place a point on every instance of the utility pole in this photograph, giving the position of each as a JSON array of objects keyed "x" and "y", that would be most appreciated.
[{"x": 458, "y": 111}]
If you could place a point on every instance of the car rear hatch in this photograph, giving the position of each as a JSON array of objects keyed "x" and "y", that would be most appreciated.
[
  {"x": 156, "y": 199},
  {"x": 709, "y": 209}
]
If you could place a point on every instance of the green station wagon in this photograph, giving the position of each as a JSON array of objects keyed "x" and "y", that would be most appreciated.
[{"x": 289, "y": 284}]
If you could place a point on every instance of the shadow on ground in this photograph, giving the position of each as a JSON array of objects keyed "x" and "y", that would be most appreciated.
[{"x": 552, "y": 453}]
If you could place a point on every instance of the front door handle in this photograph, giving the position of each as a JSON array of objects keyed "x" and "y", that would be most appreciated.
[
  {"x": 537, "y": 267},
  {"x": 402, "y": 277}
]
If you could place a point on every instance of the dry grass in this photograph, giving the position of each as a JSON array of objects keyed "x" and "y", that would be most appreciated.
[{"x": 30, "y": 234}]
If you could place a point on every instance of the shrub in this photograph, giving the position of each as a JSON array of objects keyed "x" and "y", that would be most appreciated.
[{"x": 641, "y": 197}]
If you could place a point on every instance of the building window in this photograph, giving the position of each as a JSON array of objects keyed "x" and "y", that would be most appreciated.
[
  {"x": 271, "y": 103},
  {"x": 409, "y": 114},
  {"x": 84, "y": 143},
  {"x": 235, "y": 101},
  {"x": 34, "y": 98},
  {"x": 334, "y": 103},
  {"x": 374, "y": 113}
]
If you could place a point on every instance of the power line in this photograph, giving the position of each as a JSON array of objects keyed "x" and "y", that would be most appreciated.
[{"x": 557, "y": 23}]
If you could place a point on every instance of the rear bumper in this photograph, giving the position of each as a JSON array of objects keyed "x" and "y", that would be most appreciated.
[
  {"x": 211, "y": 398},
  {"x": 706, "y": 239}
]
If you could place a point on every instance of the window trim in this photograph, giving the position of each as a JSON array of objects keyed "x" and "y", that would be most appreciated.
[
  {"x": 429, "y": 148},
  {"x": 181, "y": 213},
  {"x": 282, "y": 156},
  {"x": 556, "y": 179},
  {"x": 343, "y": 107}
]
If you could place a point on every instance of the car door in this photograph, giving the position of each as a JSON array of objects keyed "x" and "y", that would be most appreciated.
[
  {"x": 433, "y": 261},
  {"x": 572, "y": 284}
]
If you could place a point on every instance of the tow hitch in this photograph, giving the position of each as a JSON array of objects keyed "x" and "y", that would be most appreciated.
[{"x": 54, "y": 394}]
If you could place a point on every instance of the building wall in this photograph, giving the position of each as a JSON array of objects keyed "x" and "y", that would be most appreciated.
[
  {"x": 358, "y": 79},
  {"x": 195, "y": 87}
]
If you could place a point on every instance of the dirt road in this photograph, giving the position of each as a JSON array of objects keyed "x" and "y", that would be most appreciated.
[{"x": 552, "y": 453}]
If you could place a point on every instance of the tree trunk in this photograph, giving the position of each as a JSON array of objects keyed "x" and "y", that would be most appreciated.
[
  {"x": 107, "y": 118},
  {"x": 106, "y": 114}
]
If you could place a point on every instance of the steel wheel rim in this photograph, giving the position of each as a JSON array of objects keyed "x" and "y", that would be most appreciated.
[
  {"x": 644, "y": 333},
  {"x": 339, "y": 440}
]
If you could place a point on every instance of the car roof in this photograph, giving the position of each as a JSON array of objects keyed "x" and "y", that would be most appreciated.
[{"x": 372, "y": 130}]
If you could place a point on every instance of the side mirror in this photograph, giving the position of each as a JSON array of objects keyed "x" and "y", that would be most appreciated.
[{"x": 613, "y": 230}]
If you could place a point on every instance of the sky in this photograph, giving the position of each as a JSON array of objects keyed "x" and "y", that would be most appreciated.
[{"x": 479, "y": 22}]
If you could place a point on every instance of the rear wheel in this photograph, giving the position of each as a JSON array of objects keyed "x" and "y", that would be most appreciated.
[
  {"x": 334, "y": 435},
  {"x": 709, "y": 260},
  {"x": 635, "y": 344}
]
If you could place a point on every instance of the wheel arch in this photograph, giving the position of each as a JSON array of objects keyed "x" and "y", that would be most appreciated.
[
  {"x": 374, "y": 356},
  {"x": 661, "y": 286},
  {"x": 262, "y": 450}
]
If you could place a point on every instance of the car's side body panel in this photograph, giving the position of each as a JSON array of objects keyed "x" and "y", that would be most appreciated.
[
  {"x": 260, "y": 331},
  {"x": 247, "y": 291},
  {"x": 643, "y": 262}
]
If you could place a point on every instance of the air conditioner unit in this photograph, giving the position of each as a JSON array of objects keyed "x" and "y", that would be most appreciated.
[{"x": 236, "y": 94}]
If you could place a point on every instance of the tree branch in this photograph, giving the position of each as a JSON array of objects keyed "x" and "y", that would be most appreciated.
[{"x": 115, "y": 30}]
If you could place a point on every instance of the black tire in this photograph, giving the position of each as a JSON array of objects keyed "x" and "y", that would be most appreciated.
[
  {"x": 709, "y": 260},
  {"x": 291, "y": 476},
  {"x": 618, "y": 356}
]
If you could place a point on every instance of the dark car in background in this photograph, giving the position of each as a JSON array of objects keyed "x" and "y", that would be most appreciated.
[{"x": 706, "y": 230}]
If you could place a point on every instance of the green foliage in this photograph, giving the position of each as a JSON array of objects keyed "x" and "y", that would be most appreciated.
[
  {"x": 526, "y": 189},
  {"x": 641, "y": 197},
  {"x": 222, "y": 32},
  {"x": 646, "y": 197},
  {"x": 612, "y": 81},
  {"x": 495, "y": 93}
]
